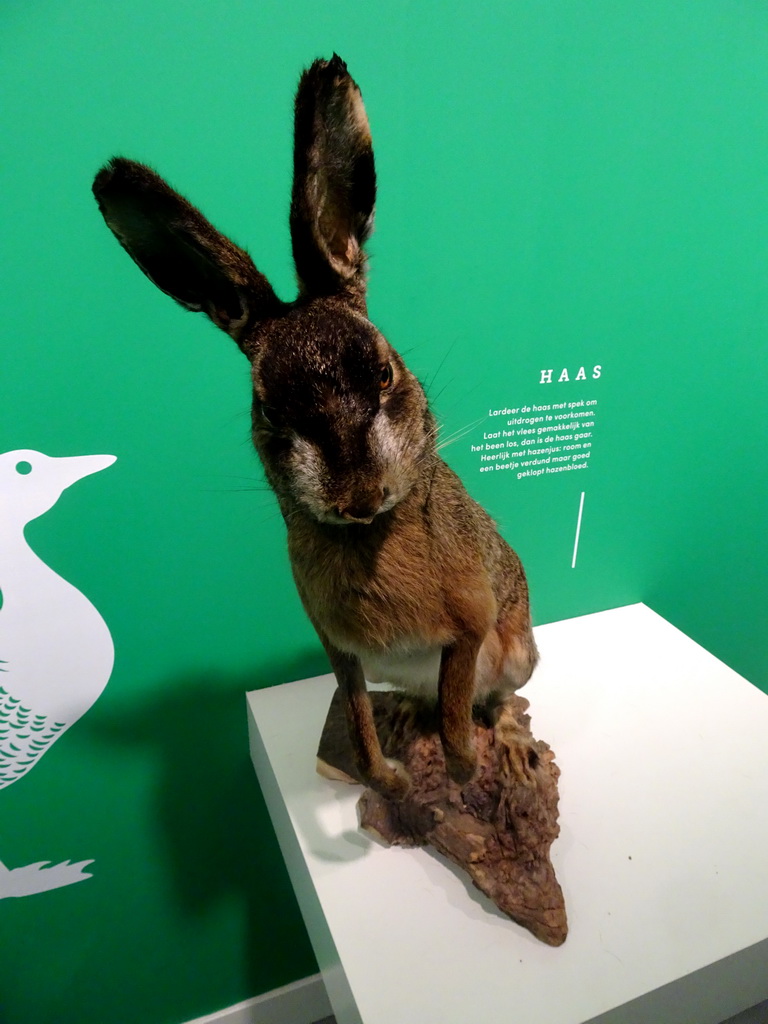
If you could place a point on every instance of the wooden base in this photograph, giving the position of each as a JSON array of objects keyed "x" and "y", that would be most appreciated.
[{"x": 498, "y": 828}]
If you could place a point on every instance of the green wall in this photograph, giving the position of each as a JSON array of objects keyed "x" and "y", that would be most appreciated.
[{"x": 561, "y": 185}]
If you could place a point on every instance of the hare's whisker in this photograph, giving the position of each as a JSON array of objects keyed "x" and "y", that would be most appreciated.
[{"x": 458, "y": 434}]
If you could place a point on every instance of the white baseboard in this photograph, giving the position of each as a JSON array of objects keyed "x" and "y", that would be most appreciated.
[
  {"x": 302, "y": 1002},
  {"x": 306, "y": 1001}
]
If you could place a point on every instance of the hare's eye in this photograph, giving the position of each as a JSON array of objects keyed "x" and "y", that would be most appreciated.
[{"x": 386, "y": 377}]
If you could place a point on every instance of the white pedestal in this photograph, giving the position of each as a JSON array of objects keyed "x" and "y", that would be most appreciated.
[{"x": 662, "y": 853}]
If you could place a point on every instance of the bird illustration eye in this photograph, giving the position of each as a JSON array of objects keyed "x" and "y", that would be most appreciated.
[
  {"x": 386, "y": 378},
  {"x": 24, "y": 468}
]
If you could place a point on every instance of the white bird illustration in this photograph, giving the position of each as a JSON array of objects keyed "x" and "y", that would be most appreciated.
[
  {"x": 56, "y": 652},
  {"x": 40, "y": 877}
]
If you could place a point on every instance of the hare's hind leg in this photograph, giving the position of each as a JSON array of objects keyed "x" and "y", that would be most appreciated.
[
  {"x": 386, "y": 776},
  {"x": 518, "y": 647},
  {"x": 507, "y": 657}
]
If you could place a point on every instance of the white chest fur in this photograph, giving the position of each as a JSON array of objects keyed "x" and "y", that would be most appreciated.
[{"x": 413, "y": 669}]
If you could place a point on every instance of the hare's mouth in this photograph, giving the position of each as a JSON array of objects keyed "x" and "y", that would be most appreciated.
[
  {"x": 351, "y": 516},
  {"x": 332, "y": 518},
  {"x": 347, "y": 519}
]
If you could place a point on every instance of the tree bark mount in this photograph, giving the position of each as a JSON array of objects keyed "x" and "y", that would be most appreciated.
[{"x": 498, "y": 828}]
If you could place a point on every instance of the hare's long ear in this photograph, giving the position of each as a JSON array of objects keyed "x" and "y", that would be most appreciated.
[
  {"x": 334, "y": 183},
  {"x": 176, "y": 247}
]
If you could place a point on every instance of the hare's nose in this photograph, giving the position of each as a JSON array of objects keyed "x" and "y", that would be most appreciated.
[{"x": 363, "y": 509}]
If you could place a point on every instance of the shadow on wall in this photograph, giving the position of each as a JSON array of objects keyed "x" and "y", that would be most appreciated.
[{"x": 208, "y": 806}]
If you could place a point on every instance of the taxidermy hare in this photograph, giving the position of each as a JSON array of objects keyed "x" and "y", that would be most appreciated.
[{"x": 403, "y": 575}]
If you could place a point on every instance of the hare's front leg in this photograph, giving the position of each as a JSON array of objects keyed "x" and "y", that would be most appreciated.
[
  {"x": 456, "y": 691},
  {"x": 386, "y": 776}
]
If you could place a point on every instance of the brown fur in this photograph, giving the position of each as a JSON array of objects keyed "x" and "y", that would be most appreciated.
[{"x": 397, "y": 567}]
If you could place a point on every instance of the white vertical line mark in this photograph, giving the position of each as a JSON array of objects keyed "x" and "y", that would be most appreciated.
[{"x": 578, "y": 531}]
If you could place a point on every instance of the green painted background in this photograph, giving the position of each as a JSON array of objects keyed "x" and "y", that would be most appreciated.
[{"x": 561, "y": 184}]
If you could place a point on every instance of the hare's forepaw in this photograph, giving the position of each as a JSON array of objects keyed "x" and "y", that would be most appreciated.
[
  {"x": 461, "y": 765},
  {"x": 391, "y": 780}
]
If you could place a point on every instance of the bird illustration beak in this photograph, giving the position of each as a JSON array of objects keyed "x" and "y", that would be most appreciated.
[{"x": 75, "y": 467}]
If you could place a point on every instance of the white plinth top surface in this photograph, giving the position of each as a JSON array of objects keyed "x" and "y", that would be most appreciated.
[{"x": 662, "y": 853}]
